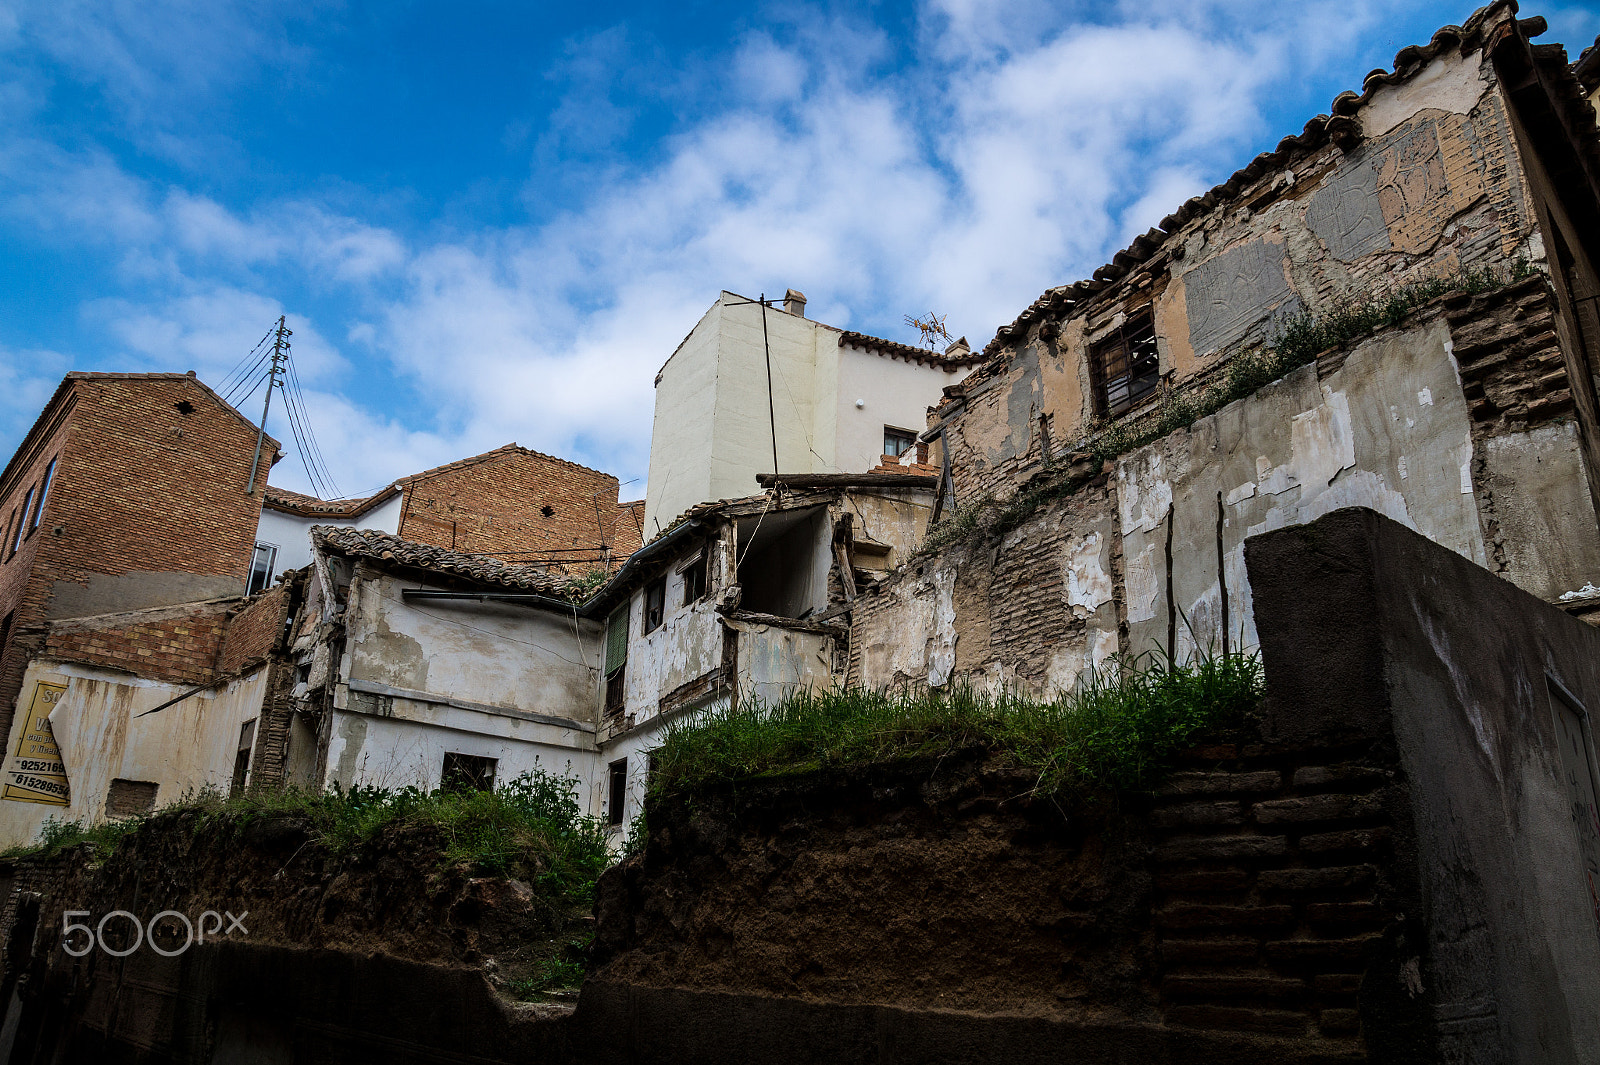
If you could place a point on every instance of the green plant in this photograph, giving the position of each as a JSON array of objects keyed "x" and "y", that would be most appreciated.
[
  {"x": 1300, "y": 339},
  {"x": 1118, "y": 729}
]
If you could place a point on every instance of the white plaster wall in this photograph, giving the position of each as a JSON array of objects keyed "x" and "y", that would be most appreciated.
[
  {"x": 519, "y": 657},
  {"x": 713, "y": 428},
  {"x": 186, "y": 747},
  {"x": 775, "y": 663},
  {"x": 393, "y": 752},
  {"x": 897, "y": 393},
  {"x": 681, "y": 437},
  {"x": 291, "y": 533},
  {"x": 744, "y": 425}
]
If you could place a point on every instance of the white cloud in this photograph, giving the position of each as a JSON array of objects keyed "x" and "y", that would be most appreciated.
[{"x": 1024, "y": 144}]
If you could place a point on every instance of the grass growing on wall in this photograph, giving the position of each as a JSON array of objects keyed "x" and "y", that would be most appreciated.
[
  {"x": 1300, "y": 340},
  {"x": 1120, "y": 729}
]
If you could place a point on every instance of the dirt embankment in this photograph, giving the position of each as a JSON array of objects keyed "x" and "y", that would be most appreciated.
[{"x": 941, "y": 886}]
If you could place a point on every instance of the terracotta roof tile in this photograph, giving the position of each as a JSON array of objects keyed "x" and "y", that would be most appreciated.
[
  {"x": 480, "y": 569},
  {"x": 310, "y": 506},
  {"x": 953, "y": 359}
]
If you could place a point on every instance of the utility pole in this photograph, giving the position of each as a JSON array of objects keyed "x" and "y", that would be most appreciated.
[{"x": 280, "y": 352}]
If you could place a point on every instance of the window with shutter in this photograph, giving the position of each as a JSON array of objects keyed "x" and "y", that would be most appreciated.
[{"x": 616, "y": 640}]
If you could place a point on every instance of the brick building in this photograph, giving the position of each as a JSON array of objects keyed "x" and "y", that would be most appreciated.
[
  {"x": 127, "y": 493},
  {"x": 513, "y": 503}
]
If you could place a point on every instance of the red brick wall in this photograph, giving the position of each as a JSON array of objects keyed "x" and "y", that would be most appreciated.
[
  {"x": 255, "y": 630},
  {"x": 183, "y": 649},
  {"x": 140, "y": 486},
  {"x": 493, "y": 505}
]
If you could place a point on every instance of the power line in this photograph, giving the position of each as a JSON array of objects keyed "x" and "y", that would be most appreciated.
[
  {"x": 311, "y": 436},
  {"x": 228, "y": 380}
]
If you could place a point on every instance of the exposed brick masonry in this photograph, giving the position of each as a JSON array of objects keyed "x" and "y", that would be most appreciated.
[{"x": 1270, "y": 878}]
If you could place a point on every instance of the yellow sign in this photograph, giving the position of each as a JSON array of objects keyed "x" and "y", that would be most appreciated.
[{"x": 35, "y": 772}]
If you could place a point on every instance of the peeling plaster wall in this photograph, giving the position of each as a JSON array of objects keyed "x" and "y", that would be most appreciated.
[
  {"x": 687, "y": 646},
  {"x": 774, "y": 662},
  {"x": 1387, "y": 430},
  {"x": 1435, "y": 187},
  {"x": 1385, "y": 425},
  {"x": 405, "y": 742},
  {"x": 501, "y": 655},
  {"x": 188, "y": 746}
]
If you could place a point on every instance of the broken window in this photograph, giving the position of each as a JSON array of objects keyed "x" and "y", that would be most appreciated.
[
  {"x": 467, "y": 772},
  {"x": 784, "y": 561},
  {"x": 1124, "y": 365},
  {"x": 261, "y": 563},
  {"x": 655, "y": 604},
  {"x": 897, "y": 442},
  {"x": 129, "y": 798},
  {"x": 617, "y": 797},
  {"x": 694, "y": 579},
  {"x": 241, "y": 759}
]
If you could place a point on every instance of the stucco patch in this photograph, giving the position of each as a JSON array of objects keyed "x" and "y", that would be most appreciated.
[
  {"x": 1088, "y": 584},
  {"x": 1143, "y": 588}
]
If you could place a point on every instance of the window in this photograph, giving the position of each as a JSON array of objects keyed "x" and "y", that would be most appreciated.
[
  {"x": 617, "y": 797},
  {"x": 1125, "y": 366},
  {"x": 897, "y": 442},
  {"x": 694, "y": 580},
  {"x": 261, "y": 563},
  {"x": 655, "y": 604},
  {"x": 241, "y": 760},
  {"x": 129, "y": 798},
  {"x": 22, "y": 523},
  {"x": 467, "y": 772},
  {"x": 616, "y": 659},
  {"x": 11, "y": 524},
  {"x": 44, "y": 493},
  {"x": 5, "y": 631}
]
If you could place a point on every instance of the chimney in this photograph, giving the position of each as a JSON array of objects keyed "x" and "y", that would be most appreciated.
[
  {"x": 958, "y": 348},
  {"x": 795, "y": 303}
]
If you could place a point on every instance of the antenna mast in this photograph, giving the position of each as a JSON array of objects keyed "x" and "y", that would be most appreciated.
[{"x": 280, "y": 352}]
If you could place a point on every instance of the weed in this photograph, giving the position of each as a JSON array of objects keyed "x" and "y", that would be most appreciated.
[
  {"x": 1301, "y": 338},
  {"x": 1119, "y": 729}
]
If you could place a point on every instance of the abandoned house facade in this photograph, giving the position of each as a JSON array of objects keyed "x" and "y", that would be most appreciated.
[
  {"x": 1150, "y": 419},
  {"x": 840, "y": 402},
  {"x": 127, "y": 493}
]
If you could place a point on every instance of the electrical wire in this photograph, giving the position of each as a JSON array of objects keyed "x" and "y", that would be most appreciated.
[
  {"x": 229, "y": 377},
  {"x": 250, "y": 376},
  {"x": 311, "y": 438}
]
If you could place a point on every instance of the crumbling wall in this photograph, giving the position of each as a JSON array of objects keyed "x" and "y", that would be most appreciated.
[
  {"x": 1386, "y": 865},
  {"x": 1432, "y": 186},
  {"x": 1459, "y": 424}
]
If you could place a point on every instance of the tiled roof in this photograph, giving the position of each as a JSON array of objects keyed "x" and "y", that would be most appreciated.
[
  {"x": 1341, "y": 128},
  {"x": 311, "y": 507},
  {"x": 960, "y": 356},
  {"x": 1587, "y": 68},
  {"x": 508, "y": 449},
  {"x": 382, "y": 547}
]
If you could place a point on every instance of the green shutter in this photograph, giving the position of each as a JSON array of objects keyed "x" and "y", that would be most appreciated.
[{"x": 616, "y": 640}]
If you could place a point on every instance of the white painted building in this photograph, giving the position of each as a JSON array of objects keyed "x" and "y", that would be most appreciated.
[
  {"x": 424, "y": 678},
  {"x": 283, "y": 535},
  {"x": 839, "y": 402}
]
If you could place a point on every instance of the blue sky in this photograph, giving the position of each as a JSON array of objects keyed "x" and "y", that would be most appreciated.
[{"x": 494, "y": 221}]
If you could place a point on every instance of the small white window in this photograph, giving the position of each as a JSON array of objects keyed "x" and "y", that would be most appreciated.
[
  {"x": 22, "y": 526},
  {"x": 261, "y": 564}
]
